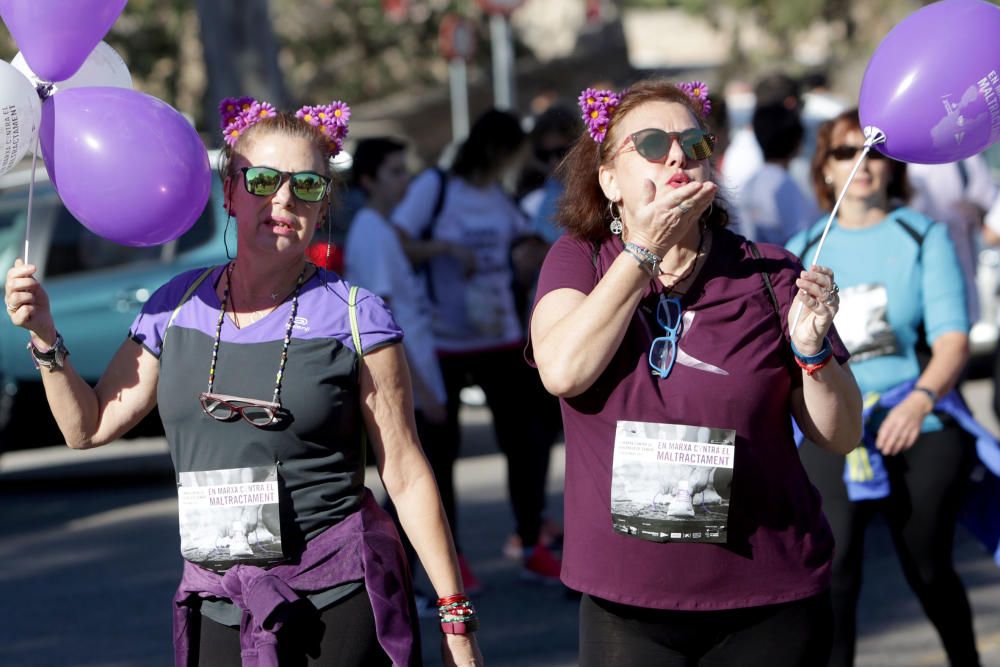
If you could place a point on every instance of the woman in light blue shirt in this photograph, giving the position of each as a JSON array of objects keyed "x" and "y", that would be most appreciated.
[{"x": 903, "y": 318}]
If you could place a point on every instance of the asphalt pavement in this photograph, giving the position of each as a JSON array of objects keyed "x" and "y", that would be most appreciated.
[{"x": 90, "y": 560}]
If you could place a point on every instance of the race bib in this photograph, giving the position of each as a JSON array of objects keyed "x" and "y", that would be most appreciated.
[
  {"x": 230, "y": 516},
  {"x": 863, "y": 322},
  {"x": 670, "y": 482}
]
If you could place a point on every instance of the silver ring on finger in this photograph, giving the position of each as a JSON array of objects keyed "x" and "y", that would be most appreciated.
[
  {"x": 831, "y": 294},
  {"x": 10, "y": 308},
  {"x": 684, "y": 206}
]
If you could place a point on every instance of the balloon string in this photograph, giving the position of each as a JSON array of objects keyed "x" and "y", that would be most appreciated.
[
  {"x": 31, "y": 197},
  {"x": 875, "y": 136}
]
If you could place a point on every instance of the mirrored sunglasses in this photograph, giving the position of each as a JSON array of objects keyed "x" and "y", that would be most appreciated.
[
  {"x": 841, "y": 153},
  {"x": 226, "y": 408},
  {"x": 265, "y": 181},
  {"x": 663, "y": 351},
  {"x": 654, "y": 144}
]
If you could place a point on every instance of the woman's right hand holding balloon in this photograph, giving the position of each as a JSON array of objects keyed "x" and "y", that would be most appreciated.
[
  {"x": 665, "y": 214},
  {"x": 28, "y": 303}
]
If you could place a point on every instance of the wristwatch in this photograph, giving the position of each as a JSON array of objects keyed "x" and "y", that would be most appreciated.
[{"x": 54, "y": 358}]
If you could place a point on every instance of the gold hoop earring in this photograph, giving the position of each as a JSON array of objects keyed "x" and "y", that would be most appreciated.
[{"x": 616, "y": 218}]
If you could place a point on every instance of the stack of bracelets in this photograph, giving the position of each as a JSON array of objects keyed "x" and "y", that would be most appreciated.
[
  {"x": 458, "y": 616},
  {"x": 812, "y": 363},
  {"x": 648, "y": 260}
]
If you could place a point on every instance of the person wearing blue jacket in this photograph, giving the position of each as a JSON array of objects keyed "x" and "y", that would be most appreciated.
[{"x": 903, "y": 318}]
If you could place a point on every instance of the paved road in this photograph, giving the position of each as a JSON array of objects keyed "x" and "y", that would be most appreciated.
[{"x": 89, "y": 564}]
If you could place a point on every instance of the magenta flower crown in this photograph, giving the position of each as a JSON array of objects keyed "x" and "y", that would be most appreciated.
[
  {"x": 599, "y": 105},
  {"x": 241, "y": 113}
]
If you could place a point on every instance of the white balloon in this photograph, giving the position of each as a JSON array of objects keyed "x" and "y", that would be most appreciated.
[
  {"x": 103, "y": 67},
  {"x": 20, "y": 116}
]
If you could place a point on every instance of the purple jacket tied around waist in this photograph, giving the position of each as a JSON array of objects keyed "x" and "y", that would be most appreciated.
[{"x": 364, "y": 546}]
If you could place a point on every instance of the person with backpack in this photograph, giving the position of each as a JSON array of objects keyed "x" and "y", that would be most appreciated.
[
  {"x": 690, "y": 525},
  {"x": 903, "y": 318},
  {"x": 476, "y": 325},
  {"x": 288, "y": 559}
]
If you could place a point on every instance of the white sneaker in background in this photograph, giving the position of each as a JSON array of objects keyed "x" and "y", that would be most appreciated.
[{"x": 472, "y": 395}]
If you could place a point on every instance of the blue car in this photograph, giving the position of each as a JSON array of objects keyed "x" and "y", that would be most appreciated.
[{"x": 97, "y": 287}]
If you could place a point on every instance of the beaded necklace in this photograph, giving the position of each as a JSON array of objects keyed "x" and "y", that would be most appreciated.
[{"x": 284, "y": 345}]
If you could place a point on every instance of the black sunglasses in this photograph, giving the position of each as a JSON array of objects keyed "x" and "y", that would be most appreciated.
[
  {"x": 654, "y": 143},
  {"x": 265, "y": 181},
  {"x": 841, "y": 153}
]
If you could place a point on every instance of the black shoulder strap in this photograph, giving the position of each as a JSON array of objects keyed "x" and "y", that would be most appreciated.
[
  {"x": 963, "y": 173},
  {"x": 911, "y": 231},
  {"x": 914, "y": 234},
  {"x": 766, "y": 278},
  {"x": 428, "y": 232}
]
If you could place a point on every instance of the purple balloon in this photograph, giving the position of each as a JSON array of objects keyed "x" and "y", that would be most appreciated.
[
  {"x": 127, "y": 165},
  {"x": 932, "y": 84},
  {"x": 56, "y": 36}
]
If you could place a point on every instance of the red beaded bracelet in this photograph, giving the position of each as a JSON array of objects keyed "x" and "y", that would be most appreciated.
[
  {"x": 812, "y": 368},
  {"x": 452, "y": 599}
]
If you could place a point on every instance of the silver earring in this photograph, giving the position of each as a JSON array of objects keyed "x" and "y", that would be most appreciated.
[
  {"x": 828, "y": 179},
  {"x": 616, "y": 219}
]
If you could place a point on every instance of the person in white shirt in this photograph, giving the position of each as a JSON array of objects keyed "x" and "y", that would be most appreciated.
[
  {"x": 772, "y": 206},
  {"x": 476, "y": 322},
  {"x": 374, "y": 259},
  {"x": 958, "y": 194}
]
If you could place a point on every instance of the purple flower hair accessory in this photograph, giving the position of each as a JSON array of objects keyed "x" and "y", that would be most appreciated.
[
  {"x": 698, "y": 92},
  {"x": 238, "y": 114},
  {"x": 597, "y": 107},
  {"x": 331, "y": 119}
]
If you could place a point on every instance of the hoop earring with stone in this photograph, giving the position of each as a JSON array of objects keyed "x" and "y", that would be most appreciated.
[{"x": 616, "y": 218}]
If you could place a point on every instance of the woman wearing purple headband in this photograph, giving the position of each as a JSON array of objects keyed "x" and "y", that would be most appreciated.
[
  {"x": 691, "y": 527},
  {"x": 268, "y": 373}
]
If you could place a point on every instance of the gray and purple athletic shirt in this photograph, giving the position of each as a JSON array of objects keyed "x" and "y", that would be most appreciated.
[{"x": 318, "y": 448}]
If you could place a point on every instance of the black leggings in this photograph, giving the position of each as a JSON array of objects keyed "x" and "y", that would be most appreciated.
[
  {"x": 793, "y": 634},
  {"x": 525, "y": 420},
  {"x": 927, "y": 482},
  {"x": 342, "y": 635}
]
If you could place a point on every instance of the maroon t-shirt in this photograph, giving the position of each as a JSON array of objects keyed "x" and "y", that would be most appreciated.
[{"x": 735, "y": 371}]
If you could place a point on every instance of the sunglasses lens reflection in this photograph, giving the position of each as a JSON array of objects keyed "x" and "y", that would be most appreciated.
[
  {"x": 308, "y": 186},
  {"x": 262, "y": 181},
  {"x": 654, "y": 144},
  {"x": 697, "y": 145}
]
